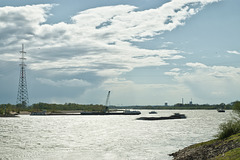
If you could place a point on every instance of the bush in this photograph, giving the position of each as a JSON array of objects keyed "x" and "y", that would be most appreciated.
[
  {"x": 236, "y": 108},
  {"x": 229, "y": 128}
]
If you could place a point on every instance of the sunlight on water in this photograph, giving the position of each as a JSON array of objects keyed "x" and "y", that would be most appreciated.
[{"x": 115, "y": 137}]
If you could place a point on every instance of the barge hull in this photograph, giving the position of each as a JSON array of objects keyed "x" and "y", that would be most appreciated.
[{"x": 86, "y": 113}]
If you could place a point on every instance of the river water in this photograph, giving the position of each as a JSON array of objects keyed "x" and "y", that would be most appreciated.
[{"x": 113, "y": 137}]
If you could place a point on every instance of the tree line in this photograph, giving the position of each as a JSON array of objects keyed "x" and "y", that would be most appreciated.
[
  {"x": 37, "y": 107},
  {"x": 181, "y": 106}
]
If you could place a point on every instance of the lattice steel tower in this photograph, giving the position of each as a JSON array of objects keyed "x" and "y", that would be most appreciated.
[{"x": 22, "y": 96}]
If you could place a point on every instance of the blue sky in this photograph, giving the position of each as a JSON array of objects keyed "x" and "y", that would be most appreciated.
[{"x": 146, "y": 52}]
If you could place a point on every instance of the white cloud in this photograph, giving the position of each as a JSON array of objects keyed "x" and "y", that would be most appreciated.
[
  {"x": 173, "y": 72},
  {"x": 234, "y": 52},
  {"x": 210, "y": 82},
  {"x": 144, "y": 94},
  {"x": 66, "y": 83},
  {"x": 166, "y": 44},
  {"x": 21, "y": 23},
  {"x": 97, "y": 41},
  {"x": 196, "y": 65},
  {"x": 96, "y": 38},
  {"x": 175, "y": 69}
]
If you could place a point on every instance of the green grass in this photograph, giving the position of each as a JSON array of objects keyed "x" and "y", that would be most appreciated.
[
  {"x": 233, "y": 154},
  {"x": 203, "y": 143},
  {"x": 235, "y": 137}
]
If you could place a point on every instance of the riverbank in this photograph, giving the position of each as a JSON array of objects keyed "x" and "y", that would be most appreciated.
[{"x": 228, "y": 148}]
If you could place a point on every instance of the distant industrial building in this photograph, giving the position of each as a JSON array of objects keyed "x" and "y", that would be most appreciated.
[{"x": 166, "y": 104}]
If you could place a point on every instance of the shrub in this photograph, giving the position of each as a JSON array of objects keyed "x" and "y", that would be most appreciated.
[
  {"x": 229, "y": 128},
  {"x": 236, "y": 108}
]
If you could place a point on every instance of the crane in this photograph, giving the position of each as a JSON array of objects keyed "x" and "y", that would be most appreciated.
[{"x": 107, "y": 101}]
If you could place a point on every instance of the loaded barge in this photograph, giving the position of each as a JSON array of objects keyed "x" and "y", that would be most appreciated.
[
  {"x": 175, "y": 116},
  {"x": 8, "y": 115},
  {"x": 126, "y": 112},
  {"x": 53, "y": 114}
]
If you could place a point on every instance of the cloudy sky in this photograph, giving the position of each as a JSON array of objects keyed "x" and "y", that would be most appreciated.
[{"x": 146, "y": 52}]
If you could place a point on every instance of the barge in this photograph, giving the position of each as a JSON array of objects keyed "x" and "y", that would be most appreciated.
[
  {"x": 175, "y": 116},
  {"x": 153, "y": 112},
  {"x": 126, "y": 112},
  {"x": 8, "y": 115},
  {"x": 220, "y": 110}
]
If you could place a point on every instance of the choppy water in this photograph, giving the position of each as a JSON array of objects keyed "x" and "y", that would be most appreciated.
[{"x": 115, "y": 137}]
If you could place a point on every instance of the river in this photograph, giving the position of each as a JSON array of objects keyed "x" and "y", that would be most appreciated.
[{"x": 112, "y": 137}]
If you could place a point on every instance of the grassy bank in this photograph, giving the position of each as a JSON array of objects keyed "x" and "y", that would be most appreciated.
[{"x": 217, "y": 149}]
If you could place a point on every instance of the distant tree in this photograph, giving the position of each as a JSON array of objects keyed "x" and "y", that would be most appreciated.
[
  {"x": 236, "y": 108},
  {"x": 1, "y": 109},
  {"x": 18, "y": 107},
  {"x": 222, "y": 105}
]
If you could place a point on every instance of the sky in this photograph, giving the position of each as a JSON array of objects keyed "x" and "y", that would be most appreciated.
[{"x": 146, "y": 52}]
